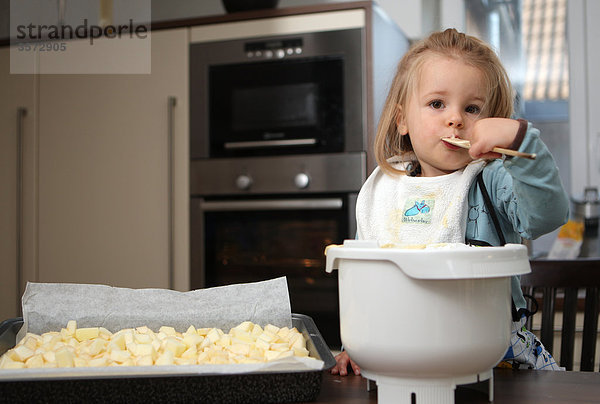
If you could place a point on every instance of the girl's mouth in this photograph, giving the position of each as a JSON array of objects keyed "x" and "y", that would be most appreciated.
[{"x": 450, "y": 146}]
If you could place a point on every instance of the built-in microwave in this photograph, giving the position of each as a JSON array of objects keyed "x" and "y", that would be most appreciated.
[{"x": 286, "y": 94}]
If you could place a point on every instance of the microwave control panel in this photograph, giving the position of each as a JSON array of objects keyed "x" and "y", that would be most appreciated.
[{"x": 273, "y": 49}]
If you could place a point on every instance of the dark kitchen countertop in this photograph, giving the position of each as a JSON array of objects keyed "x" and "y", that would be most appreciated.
[{"x": 511, "y": 386}]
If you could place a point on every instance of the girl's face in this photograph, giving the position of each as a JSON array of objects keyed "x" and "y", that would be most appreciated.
[{"x": 447, "y": 101}]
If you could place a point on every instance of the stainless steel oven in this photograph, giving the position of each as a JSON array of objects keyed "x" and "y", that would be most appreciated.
[{"x": 279, "y": 225}]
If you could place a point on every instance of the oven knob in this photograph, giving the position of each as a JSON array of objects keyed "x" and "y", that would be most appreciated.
[
  {"x": 243, "y": 182},
  {"x": 301, "y": 180}
]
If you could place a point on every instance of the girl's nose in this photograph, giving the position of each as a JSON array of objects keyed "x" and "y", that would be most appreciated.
[{"x": 455, "y": 121}]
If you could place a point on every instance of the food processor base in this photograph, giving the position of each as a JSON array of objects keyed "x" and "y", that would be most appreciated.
[{"x": 424, "y": 391}]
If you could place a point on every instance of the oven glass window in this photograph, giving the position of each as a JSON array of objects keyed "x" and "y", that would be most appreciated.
[
  {"x": 253, "y": 246},
  {"x": 283, "y": 106},
  {"x": 297, "y": 100}
]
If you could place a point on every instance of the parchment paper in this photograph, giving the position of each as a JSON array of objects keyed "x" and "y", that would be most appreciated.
[{"x": 49, "y": 306}]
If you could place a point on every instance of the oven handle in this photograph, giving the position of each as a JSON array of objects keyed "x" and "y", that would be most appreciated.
[
  {"x": 272, "y": 204},
  {"x": 270, "y": 143}
]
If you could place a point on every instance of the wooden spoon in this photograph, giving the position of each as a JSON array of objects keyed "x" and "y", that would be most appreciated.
[{"x": 465, "y": 144}]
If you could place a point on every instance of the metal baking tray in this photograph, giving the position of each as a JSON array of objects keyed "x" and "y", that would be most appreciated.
[{"x": 266, "y": 387}]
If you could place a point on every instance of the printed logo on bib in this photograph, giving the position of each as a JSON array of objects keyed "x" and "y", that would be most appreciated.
[{"x": 416, "y": 211}]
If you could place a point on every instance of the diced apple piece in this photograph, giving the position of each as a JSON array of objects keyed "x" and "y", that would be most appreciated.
[
  {"x": 202, "y": 358},
  {"x": 175, "y": 346},
  {"x": 145, "y": 360},
  {"x": 7, "y": 363},
  {"x": 146, "y": 350},
  {"x": 97, "y": 346},
  {"x": 203, "y": 331},
  {"x": 143, "y": 338},
  {"x": 98, "y": 362},
  {"x": 245, "y": 326},
  {"x": 166, "y": 358},
  {"x": 271, "y": 328},
  {"x": 167, "y": 330},
  {"x": 71, "y": 327},
  {"x": 302, "y": 352},
  {"x": 299, "y": 343},
  {"x": 245, "y": 337},
  {"x": 80, "y": 362},
  {"x": 118, "y": 340},
  {"x": 292, "y": 337},
  {"x": 64, "y": 357},
  {"x": 128, "y": 362},
  {"x": 225, "y": 340},
  {"x": 120, "y": 356},
  {"x": 191, "y": 352},
  {"x": 129, "y": 338},
  {"x": 283, "y": 332},
  {"x": 239, "y": 349},
  {"x": 271, "y": 355},
  {"x": 213, "y": 336},
  {"x": 36, "y": 361},
  {"x": 285, "y": 354},
  {"x": 256, "y": 330},
  {"x": 49, "y": 356},
  {"x": 131, "y": 347},
  {"x": 84, "y": 334},
  {"x": 267, "y": 336},
  {"x": 279, "y": 347},
  {"x": 31, "y": 341},
  {"x": 192, "y": 339},
  {"x": 262, "y": 344},
  {"x": 22, "y": 353},
  {"x": 104, "y": 333},
  {"x": 185, "y": 361}
]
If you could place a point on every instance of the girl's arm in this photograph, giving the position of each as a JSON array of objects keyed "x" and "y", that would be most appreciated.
[{"x": 528, "y": 193}]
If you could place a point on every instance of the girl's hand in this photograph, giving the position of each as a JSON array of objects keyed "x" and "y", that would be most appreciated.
[
  {"x": 488, "y": 133},
  {"x": 341, "y": 367}
]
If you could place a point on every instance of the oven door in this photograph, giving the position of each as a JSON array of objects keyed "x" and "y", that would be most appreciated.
[{"x": 249, "y": 240}]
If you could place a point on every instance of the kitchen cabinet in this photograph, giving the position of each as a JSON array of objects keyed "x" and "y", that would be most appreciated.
[
  {"x": 17, "y": 128},
  {"x": 113, "y": 173}
]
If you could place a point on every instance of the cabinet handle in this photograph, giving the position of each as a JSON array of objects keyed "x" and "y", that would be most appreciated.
[
  {"x": 272, "y": 204},
  {"x": 172, "y": 102},
  {"x": 21, "y": 113}
]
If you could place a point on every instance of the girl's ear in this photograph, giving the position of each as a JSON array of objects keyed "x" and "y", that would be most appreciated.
[{"x": 400, "y": 121}]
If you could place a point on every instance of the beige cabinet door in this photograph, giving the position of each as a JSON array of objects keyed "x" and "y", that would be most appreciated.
[
  {"x": 112, "y": 196},
  {"x": 17, "y": 129}
]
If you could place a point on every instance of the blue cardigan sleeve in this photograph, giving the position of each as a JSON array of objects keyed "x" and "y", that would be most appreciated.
[{"x": 528, "y": 194}]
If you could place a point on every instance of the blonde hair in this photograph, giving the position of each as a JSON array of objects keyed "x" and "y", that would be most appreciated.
[{"x": 449, "y": 43}]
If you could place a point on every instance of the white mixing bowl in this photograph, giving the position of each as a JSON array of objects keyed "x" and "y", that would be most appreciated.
[{"x": 420, "y": 321}]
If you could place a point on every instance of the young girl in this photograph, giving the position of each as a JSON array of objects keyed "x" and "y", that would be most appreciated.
[{"x": 424, "y": 190}]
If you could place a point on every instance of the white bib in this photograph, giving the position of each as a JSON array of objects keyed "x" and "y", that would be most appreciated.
[{"x": 415, "y": 210}]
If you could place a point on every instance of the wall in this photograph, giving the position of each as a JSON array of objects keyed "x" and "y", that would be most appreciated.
[{"x": 584, "y": 60}]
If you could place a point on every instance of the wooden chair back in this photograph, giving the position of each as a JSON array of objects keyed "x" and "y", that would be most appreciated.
[{"x": 558, "y": 283}]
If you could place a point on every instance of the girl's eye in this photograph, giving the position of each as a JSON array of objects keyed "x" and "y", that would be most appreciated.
[
  {"x": 436, "y": 104},
  {"x": 473, "y": 109}
]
